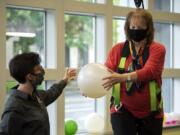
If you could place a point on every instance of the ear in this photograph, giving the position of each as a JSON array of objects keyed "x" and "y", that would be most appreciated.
[{"x": 29, "y": 77}]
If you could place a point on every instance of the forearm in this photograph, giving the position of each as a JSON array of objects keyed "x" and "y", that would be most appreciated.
[
  {"x": 54, "y": 92},
  {"x": 59, "y": 86},
  {"x": 132, "y": 76}
]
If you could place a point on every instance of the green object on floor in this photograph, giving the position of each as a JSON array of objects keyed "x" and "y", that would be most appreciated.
[{"x": 71, "y": 127}]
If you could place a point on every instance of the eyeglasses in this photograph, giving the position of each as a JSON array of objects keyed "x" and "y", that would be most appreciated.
[{"x": 39, "y": 74}]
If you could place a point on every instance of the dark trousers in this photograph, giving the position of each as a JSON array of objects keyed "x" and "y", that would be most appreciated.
[{"x": 124, "y": 123}]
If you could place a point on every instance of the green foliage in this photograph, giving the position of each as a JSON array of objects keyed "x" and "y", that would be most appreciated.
[
  {"x": 10, "y": 85},
  {"x": 21, "y": 20},
  {"x": 78, "y": 31},
  {"x": 115, "y": 32},
  {"x": 116, "y": 2},
  {"x": 17, "y": 18}
]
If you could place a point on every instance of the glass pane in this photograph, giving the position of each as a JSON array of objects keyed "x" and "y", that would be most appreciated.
[
  {"x": 118, "y": 31},
  {"x": 176, "y": 95},
  {"x": 80, "y": 50},
  {"x": 128, "y": 3},
  {"x": 167, "y": 95},
  {"x": 52, "y": 111},
  {"x": 163, "y": 35},
  {"x": 79, "y": 40},
  {"x": 176, "y": 5},
  {"x": 77, "y": 107},
  {"x": 162, "y": 5},
  {"x": 176, "y": 46},
  {"x": 24, "y": 32},
  {"x": 167, "y": 5}
]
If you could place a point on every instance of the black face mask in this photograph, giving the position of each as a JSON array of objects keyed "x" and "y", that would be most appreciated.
[
  {"x": 137, "y": 34},
  {"x": 39, "y": 79}
]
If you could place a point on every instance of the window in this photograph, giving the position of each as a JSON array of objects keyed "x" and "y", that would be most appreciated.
[
  {"x": 118, "y": 31},
  {"x": 166, "y": 34},
  {"x": 52, "y": 111},
  {"x": 163, "y": 5},
  {"x": 176, "y": 94},
  {"x": 25, "y": 32},
  {"x": 167, "y": 5},
  {"x": 84, "y": 43},
  {"x": 79, "y": 40},
  {"x": 176, "y": 5},
  {"x": 163, "y": 36},
  {"x": 80, "y": 50},
  {"x": 176, "y": 47},
  {"x": 167, "y": 95},
  {"x": 176, "y": 65}
]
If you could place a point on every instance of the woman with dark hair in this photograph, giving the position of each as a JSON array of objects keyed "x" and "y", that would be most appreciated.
[
  {"x": 136, "y": 66},
  {"x": 25, "y": 111}
]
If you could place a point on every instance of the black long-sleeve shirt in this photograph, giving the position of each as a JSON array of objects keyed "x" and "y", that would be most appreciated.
[{"x": 27, "y": 115}]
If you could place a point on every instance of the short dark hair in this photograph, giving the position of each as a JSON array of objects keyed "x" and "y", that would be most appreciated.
[
  {"x": 22, "y": 64},
  {"x": 147, "y": 18}
]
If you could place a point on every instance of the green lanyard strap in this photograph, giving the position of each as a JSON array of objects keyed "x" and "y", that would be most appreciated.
[
  {"x": 116, "y": 93},
  {"x": 116, "y": 88}
]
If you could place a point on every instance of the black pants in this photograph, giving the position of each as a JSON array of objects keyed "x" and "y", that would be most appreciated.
[{"x": 124, "y": 123}]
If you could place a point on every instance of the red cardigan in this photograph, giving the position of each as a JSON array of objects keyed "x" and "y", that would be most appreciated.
[{"x": 139, "y": 102}]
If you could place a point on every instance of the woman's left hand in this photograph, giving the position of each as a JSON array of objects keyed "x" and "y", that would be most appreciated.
[{"x": 113, "y": 79}]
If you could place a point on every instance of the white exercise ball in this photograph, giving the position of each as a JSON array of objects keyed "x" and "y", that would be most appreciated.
[
  {"x": 94, "y": 123},
  {"x": 90, "y": 80}
]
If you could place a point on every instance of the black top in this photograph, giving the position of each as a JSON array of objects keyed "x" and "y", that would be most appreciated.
[{"x": 27, "y": 115}]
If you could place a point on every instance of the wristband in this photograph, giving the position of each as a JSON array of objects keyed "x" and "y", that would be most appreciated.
[{"x": 128, "y": 78}]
